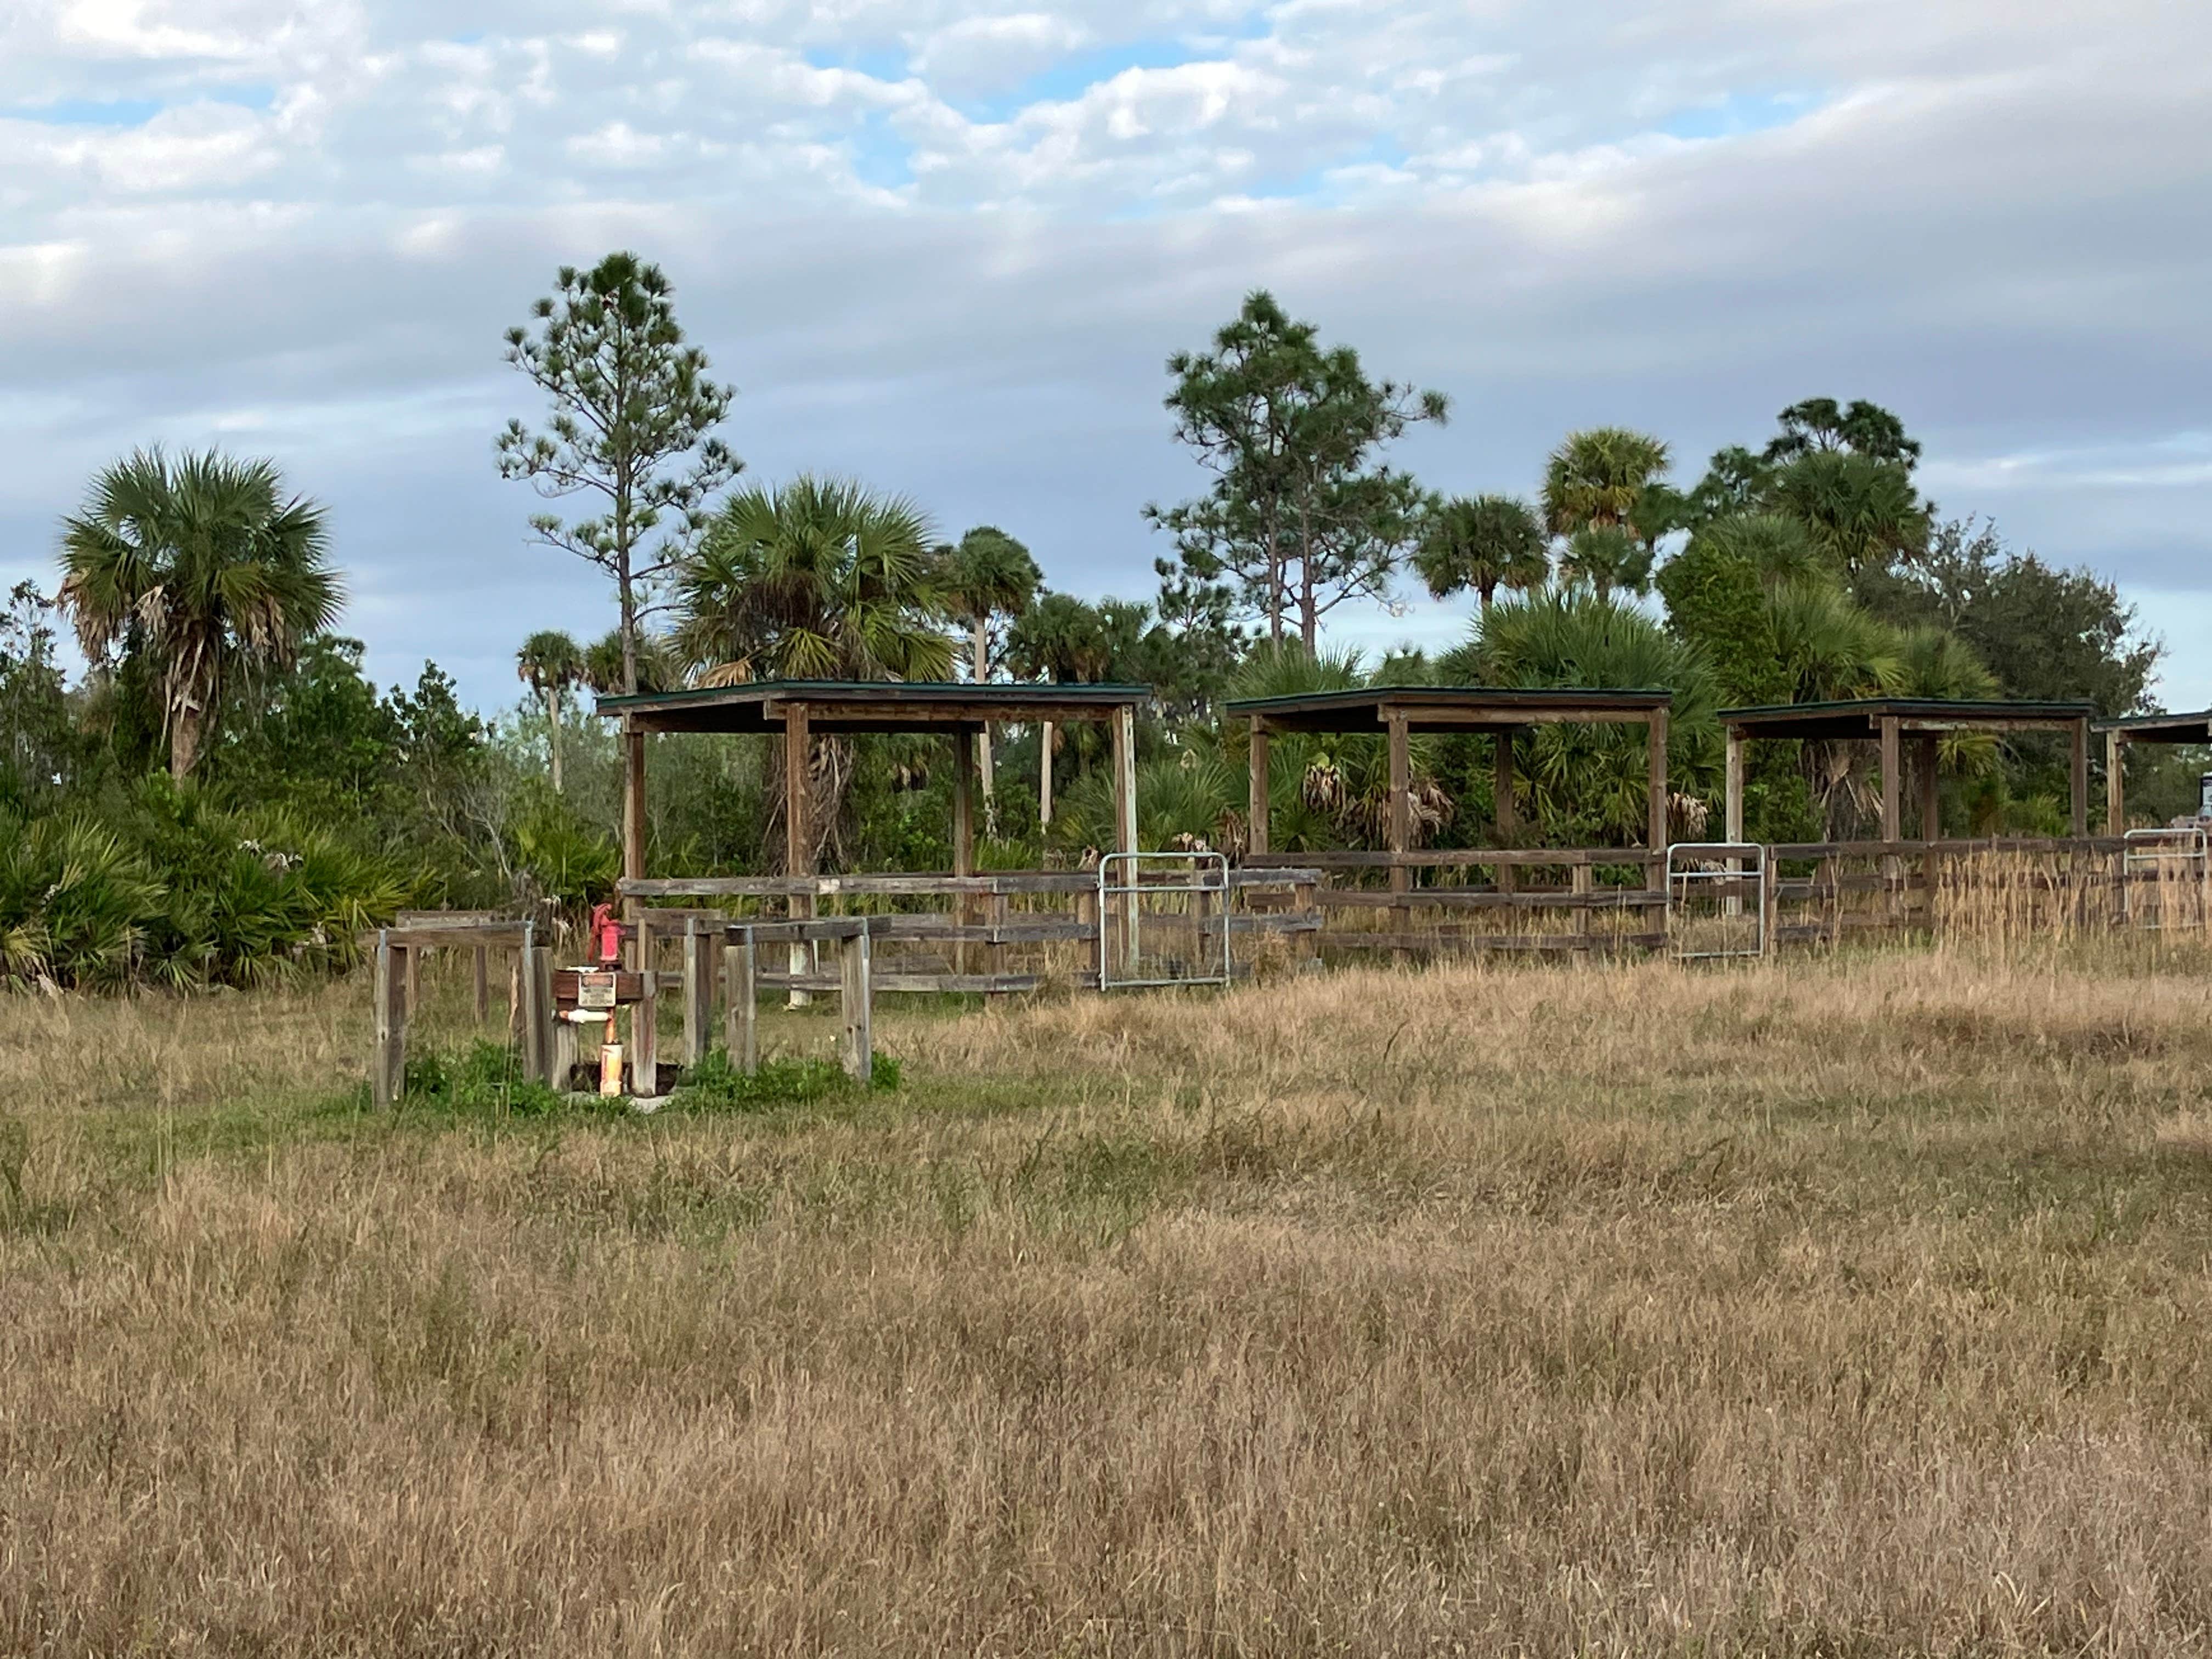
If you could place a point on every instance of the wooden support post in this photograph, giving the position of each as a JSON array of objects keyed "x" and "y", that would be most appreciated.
[
  {"x": 482, "y": 982},
  {"x": 857, "y": 992},
  {"x": 698, "y": 993},
  {"x": 1931, "y": 826},
  {"x": 1931, "y": 806},
  {"x": 1503, "y": 814},
  {"x": 1125, "y": 779},
  {"x": 1044, "y": 774},
  {"x": 411, "y": 955},
  {"x": 1656, "y": 799},
  {"x": 548, "y": 1015},
  {"x": 1401, "y": 822},
  {"x": 533, "y": 977},
  {"x": 645, "y": 1038},
  {"x": 1578, "y": 879},
  {"x": 514, "y": 998},
  {"x": 963, "y": 835},
  {"x": 963, "y": 801},
  {"x": 1732, "y": 810},
  {"x": 633, "y": 814},
  {"x": 1124, "y": 726},
  {"x": 387, "y": 1060},
  {"x": 1893, "y": 817},
  {"x": 644, "y": 1017},
  {"x": 797, "y": 836},
  {"x": 1255, "y": 834},
  {"x": 2115, "y": 787},
  {"x": 2080, "y": 792},
  {"x": 740, "y": 1009}
]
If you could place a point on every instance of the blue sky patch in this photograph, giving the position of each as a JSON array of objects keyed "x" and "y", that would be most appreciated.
[
  {"x": 132, "y": 112},
  {"x": 880, "y": 157},
  {"x": 878, "y": 64},
  {"x": 1739, "y": 114},
  {"x": 1077, "y": 74}
]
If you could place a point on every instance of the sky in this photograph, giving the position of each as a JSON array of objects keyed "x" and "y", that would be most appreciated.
[{"x": 947, "y": 247}]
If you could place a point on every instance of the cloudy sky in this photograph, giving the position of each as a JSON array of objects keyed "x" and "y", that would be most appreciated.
[{"x": 946, "y": 245}]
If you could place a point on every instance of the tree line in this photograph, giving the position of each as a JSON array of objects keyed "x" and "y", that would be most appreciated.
[{"x": 222, "y": 797}]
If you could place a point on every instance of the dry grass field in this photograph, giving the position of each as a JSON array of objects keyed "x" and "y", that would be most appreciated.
[{"x": 1854, "y": 1305}]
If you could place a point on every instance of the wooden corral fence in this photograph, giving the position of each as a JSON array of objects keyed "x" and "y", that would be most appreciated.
[
  {"x": 1611, "y": 899},
  {"x": 996, "y": 933},
  {"x": 717, "y": 953},
  {"x": 1019, "y": 931}
]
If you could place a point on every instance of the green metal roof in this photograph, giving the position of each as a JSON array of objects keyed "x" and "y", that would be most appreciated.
[
  {"x": 2192, "y": 727},
  {"x": 1994, "y": 709},
  {"x": 1446, "y": 696},
  {"x": 864, "y": 705}
]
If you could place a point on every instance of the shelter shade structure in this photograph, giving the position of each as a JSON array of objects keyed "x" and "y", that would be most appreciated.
[
  {"x": 1401, "y": 714},
  {"x": 2195, "y": 728},
  {"x": 799, "y": 711},
  {"x": 1889, "y": 722}
]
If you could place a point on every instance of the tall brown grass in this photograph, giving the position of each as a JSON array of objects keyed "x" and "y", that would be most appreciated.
[{"x": 1847, "y": 1304}]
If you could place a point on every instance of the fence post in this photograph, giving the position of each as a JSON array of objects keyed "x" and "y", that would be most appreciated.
[
  {"x": 857, "y": 992},
  {"x": 1578, "y": 881},
  {"x": 387, "y": 1060},
  {"x": 741, "y": 1010},
  {"x": 483, "y": 983},
  {"x": 698, "y": 993}
]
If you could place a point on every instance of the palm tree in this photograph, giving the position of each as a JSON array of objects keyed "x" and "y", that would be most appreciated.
[
  {"x": 657, "y": 667},
  {"x": 1605, "y": 557},
  {"x": 988, "y": 575},
  {"x": 817, "y": 579},
  {"x": 1591, "y": 781},
  {"x": 1059, "y": 638},
  {"x": 1862, "y": 514},
  {"x": 204, "y": 568},
  {"x": 1485, "y": 542},
  {"x": 1775, "y": 545},
  {"x": 1600, "y": 477},
  {"x": 549, "y": 662},
  {"x": 1832, "y": 648}
]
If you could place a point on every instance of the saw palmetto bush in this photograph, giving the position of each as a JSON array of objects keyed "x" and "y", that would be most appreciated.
[
  {"x": 1588, "y": 783},
  {"x": 76, "y": 903},
  {"x": 176, "y": 893}
]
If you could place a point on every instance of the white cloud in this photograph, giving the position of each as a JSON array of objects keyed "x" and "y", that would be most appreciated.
[{"x": 947, "y": 243}]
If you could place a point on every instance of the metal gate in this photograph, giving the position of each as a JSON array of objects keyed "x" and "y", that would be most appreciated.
[
  {"x": 2170, "y": 858},
  {"x": 1162, "y": 920},
  {"x": 1707, "y": 884}
]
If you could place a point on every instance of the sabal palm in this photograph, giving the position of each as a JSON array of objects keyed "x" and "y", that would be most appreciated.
[
  {"x": 988, "y": 575},
  {"x": 657, "y": 667},
  {"x": 1598, "y": 476},
  {"x": 203, "y": 565},
  {"x": 549, "y": 662},
  {"x": 819, "y": 579},
  {"x": 1484, "y": 543},
  {"x": 1777, "y": 546},
  {"x": 1861, "y": 512},
  {"x": 1059, "y": 637},
  {"x": 1830, "y": 648},
  {"x": 1605, "y": 557},
  {"x": 1591, "y": 780}
]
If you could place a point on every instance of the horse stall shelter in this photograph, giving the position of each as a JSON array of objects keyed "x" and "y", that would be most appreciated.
[
  {"x": 995, "y": 931},
  {"x": 1466, "y": 914}
]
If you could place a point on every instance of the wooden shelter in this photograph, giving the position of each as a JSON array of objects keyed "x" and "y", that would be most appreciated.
[
  {"x": 800, "y": 710},
  {"x": 2142, "y": 728},
  {"x": 1889, "y": 721},
  {"x": 1404, "y": 712}
]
